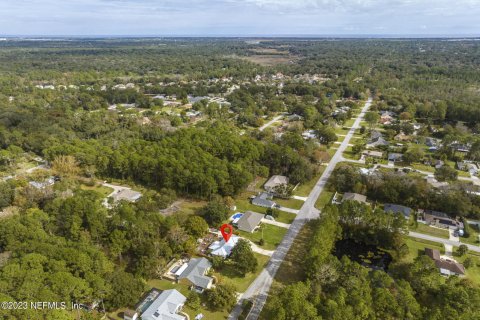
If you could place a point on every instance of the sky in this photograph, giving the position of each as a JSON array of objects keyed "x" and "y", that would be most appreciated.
[{"x": 239, "y": 17}]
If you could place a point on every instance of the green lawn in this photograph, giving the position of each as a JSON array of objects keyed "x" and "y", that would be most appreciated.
[
  {"x": 423, "y": 167},
  {"x": 436, "y": 232},
  {"x": 285, "y": 217},
  {"x": 228, "y": 274},
  {"x": 272, "y": 235},
  {"x": 324, "y": 199},
  {"x": 245, "y": 205},
  {"x": 472, "y": 273},
  {"x": 191, "y": 206},
  {"x": 304, "y": 189},
  {"x": 417, "y": 247},
  {"x": 473, "y": 236},
  {"x": 290, "y": 203},
  {"x": 291, "y": 270},
  {"x": 104, "y": 191}
]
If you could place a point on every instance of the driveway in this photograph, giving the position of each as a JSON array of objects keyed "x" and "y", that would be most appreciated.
[
  {"x": 443, "y": 241},
  {"x": 268, "y": 124},
  {"x": 259, "y": 250},
  {"x": 258, "y": 290},
  {"x": 289, "y": 210},
  {"x": 276, "y": 223}
]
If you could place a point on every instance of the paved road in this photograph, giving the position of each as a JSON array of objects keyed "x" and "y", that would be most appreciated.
[
  {"x": 444, "y": 241},
  {"x": 268, "y": 124},
  {"x": 258, "y": 290}
]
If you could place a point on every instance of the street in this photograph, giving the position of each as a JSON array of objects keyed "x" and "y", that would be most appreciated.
[{"x": 258, "y": 290}]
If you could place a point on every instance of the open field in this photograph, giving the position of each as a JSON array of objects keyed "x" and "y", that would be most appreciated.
[{"x": 436, "y": 232}]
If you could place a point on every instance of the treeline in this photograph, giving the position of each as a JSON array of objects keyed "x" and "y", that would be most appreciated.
[
  {"x": 456, "y": 200},
  {"x": 342, "y": 289},
  {"x": 74, "y": 249}
]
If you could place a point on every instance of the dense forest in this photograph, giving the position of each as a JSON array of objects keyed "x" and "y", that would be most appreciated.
[{"x": 89, "y": 110}]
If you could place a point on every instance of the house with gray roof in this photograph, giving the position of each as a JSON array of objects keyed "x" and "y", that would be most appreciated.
[
  {"x": 249, "y": 221},
  {"x": 354, "y": 197},
  {"x": 195, "y": 273},
  {"x": 166, "y": 306},
  {"x": 377, "y": 140},
  {"x": 127, "y": 195},
  {"x": 263, "y": 200},
  {"x": 395, "y": 157},
  {"x": 274, "y": 182},
  {"x": 397, "y": 209}
]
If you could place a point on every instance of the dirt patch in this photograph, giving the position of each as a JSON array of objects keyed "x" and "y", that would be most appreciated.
[{"x": 271, "y": 60}]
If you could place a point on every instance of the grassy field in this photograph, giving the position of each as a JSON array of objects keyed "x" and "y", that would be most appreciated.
[
  {"x": 245, "y": 205},
  {"x": 228, "y": 274},
  {"x": 291, "y": 269},
  {"x": 191, "y": 206},
  {"x": 272, "y": 235},
  {"x": 417, "y": 247},
  {"x": 324, "y": 199},
  {"x": 290, "y": 203},
  {"x": 285, "y": 217},
  {"x": 436, "y": 232},
  {"x": 423, "y": 167},
  {"x": 303, "y": 190},
  {"x": 473, "y": 236}
]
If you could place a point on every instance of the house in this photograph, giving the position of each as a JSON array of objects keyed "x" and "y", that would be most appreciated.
[
  {"x": 376, "y": 140},
  {"x": 438, "y": 164},
  {"x": 386, "y": 117},
  {"x": 249, "y": 221},
  {"x": 309, "y": 135},
  {"x": 194, "y": 272},
  {"x": 127, "y": 195},
  {"x": 373, "y": 154},
  {"x": 166, "y": 306},
  {"x": 435, "y": 183},
  {"x": 50, "y": 181},
  {"x": 130, "y": 315},
  {"x": 460, "y": 147},
  {"x": 354, "y": 197},
  {"x": 395, "y": 157},
  {"x": 441, "y": 219},
  {"x": 447, "y": 267},
  {"x": 274, "y": 182},
  {"x": 431, "y": 142},
  {"x": 397, "y": 209},
  {"x": 264, "y": 200},
  {"x": 223, "y": 249},
  {"x": 402, "y": 137},
  {"x": 467, "y": 166}
]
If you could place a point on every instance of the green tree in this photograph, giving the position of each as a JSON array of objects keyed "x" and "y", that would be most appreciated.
[
  {"x": 126, "y": 289},
  {"x": 243, "y": 258},
  {"x": 215, "y": 212},
  {"x": 462, "y": 249},
  {"x": 446, "y": 173},
  {"x": 222, "y": 297},
  {"x": 196, "y": 226}
]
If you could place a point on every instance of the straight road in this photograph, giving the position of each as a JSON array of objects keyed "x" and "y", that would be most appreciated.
[
  {"x": 258, "y": 290},
  {"x": 443, "y": 241}
]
